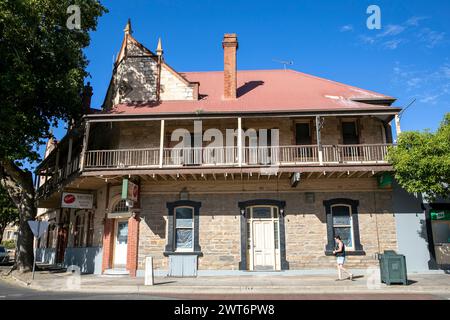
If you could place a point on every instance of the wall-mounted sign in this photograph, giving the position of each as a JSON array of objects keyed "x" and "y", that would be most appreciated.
[
  {"x": 440, "y": 214},
  {"x": 130, "y": 190},
  {"x": 385, "y": 180},
  {"x": 77, "y": 200}
]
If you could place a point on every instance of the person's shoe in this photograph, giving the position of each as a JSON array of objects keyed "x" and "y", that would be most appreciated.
[{"x": 338, "y": 280}]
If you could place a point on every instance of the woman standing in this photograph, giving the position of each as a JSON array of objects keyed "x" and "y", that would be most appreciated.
[{"x": 340, "y": 258}]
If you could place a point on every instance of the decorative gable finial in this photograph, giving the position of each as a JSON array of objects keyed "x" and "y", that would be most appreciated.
[
  {"x": 159, "y": 50},
  {"x": 128, "y": 29}
]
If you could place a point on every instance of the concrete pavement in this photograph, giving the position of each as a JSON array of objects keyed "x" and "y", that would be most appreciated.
[{"x": 58, "y": 281}]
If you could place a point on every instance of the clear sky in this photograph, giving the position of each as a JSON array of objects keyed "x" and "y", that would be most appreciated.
[{"x": 407, "y": 58}]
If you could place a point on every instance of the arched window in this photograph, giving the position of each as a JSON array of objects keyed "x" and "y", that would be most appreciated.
[
  {"x": 342, "y": 220},
  {"x": 184, "y": 228},
  {"x": 343, "y": 224},
  {"x": 120, "y": 207}
]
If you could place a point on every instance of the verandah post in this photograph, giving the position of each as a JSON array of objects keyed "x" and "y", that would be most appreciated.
[
  {"x": 319, "y": 142},
  {"x": 161, "y": 144}
]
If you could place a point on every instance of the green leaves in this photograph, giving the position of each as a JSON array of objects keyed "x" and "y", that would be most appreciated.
[
  {"x": 42, "y": 69},
  {"x": 422, "y": 161}
]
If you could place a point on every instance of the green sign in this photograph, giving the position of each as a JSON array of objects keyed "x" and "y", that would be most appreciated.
[
  {"x": 385, "y": 180},
  {"x": 124, "y": 188},
  {"x": 440, "y": 214}
]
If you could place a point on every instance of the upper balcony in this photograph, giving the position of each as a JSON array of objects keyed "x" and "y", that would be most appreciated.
[
  {"x": 222, "y": 157},
  {"x": 336, "y": 147}
]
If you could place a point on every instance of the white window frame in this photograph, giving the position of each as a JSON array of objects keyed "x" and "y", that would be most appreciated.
[
  {"x": 352, "y": 248},
  {"x": 176, "y": 249}
]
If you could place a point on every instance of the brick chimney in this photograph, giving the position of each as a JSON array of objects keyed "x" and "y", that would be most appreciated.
[
  {"x": 86, "y": 98},
  {"x": 230, "y": 46}
]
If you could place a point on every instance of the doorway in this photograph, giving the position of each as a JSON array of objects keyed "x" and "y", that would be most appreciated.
[
  {"x": 263, "y": 238},
  {"x": 120, "y": 244},
  {"x": 61, "y": 244}
]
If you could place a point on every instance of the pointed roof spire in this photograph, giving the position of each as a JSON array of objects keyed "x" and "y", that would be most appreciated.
[
  {"x": 128, "y": 29},
  {"x": 159, "y": 49}
]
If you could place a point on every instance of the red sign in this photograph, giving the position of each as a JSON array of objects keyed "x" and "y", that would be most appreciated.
[
  {"x": 70, "y": 198},
  {"x": 77, "y": 200}
]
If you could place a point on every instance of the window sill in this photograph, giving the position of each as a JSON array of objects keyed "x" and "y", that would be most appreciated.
[
  {"x": 182, "y": 253},
  {"x": 348, "y": 253}
]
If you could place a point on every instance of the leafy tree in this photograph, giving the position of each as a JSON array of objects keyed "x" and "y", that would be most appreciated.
[
  {"x": 42, "y": 69},
  {"x": 421, "y": 161},
  {"x": 8, "y": 212}
]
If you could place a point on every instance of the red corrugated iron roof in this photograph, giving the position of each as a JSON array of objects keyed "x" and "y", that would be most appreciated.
[{"x": 264, "y": 91}]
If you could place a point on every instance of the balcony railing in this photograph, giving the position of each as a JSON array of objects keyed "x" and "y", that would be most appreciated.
[
  {"x": 229, "y": 156},
  {"x": 60, "y": 175}
]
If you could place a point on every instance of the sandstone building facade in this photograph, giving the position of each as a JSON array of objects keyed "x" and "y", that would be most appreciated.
[{"x": 273, "y": 164}]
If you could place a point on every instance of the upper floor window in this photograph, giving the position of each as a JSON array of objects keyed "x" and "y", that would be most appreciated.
[
  {"x": 184, "y": 229},
  {"x": 350, "y": 133},
  {"x": 342, "y": 224},
  {"x": 302, "y": 134}
]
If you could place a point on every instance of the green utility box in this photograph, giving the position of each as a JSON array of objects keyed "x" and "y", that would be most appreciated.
[{"x": 392, "y": 267}]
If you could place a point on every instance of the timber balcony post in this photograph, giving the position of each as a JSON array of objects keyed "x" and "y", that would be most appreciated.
[
  {"x": 85, "y": 146},
  {"x": 161, "y": 144},
  {"x": 319, "y": 142},
  {"x": 239, "y": 142}
]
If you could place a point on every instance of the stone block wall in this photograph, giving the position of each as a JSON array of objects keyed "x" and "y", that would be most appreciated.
[
  {"x": 305, "y": 221},
  {"x": 173, "y": 88}
]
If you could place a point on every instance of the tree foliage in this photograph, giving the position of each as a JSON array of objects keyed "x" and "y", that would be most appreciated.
[
  {"x": 42, "y": 71},
  {"x": 421, "y": 161}
]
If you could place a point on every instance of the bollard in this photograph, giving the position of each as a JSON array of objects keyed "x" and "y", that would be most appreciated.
[{"x": 149, "y": 271}]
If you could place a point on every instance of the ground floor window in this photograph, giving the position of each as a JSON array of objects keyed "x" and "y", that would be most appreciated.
[
  {"x": 343, "y": 225},
  {"x": 51, "y": 234},
  {"x": 83, "y": 229},
  {"x": 342, "y": 220},
  {"x": 78, "y": 231},
  {"x": 183, "y": 227},
  {"x": 90, "y": 230}
]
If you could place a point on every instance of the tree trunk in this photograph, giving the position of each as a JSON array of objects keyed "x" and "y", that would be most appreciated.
[{"x": 19, "y": 185}]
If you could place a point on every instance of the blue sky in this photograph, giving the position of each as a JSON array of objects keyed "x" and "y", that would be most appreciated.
[{"x": 407, "y": 58}]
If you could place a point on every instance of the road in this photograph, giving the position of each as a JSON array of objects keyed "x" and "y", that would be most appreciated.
[{"x": 11, "y": 291}]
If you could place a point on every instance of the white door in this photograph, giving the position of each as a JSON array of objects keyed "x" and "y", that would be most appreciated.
[
  {"x": 120, "y": 248},
  {"x": 263, "y": 245}
]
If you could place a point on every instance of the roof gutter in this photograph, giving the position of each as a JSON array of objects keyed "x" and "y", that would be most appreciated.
[{"x": 212, "y": 115}]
